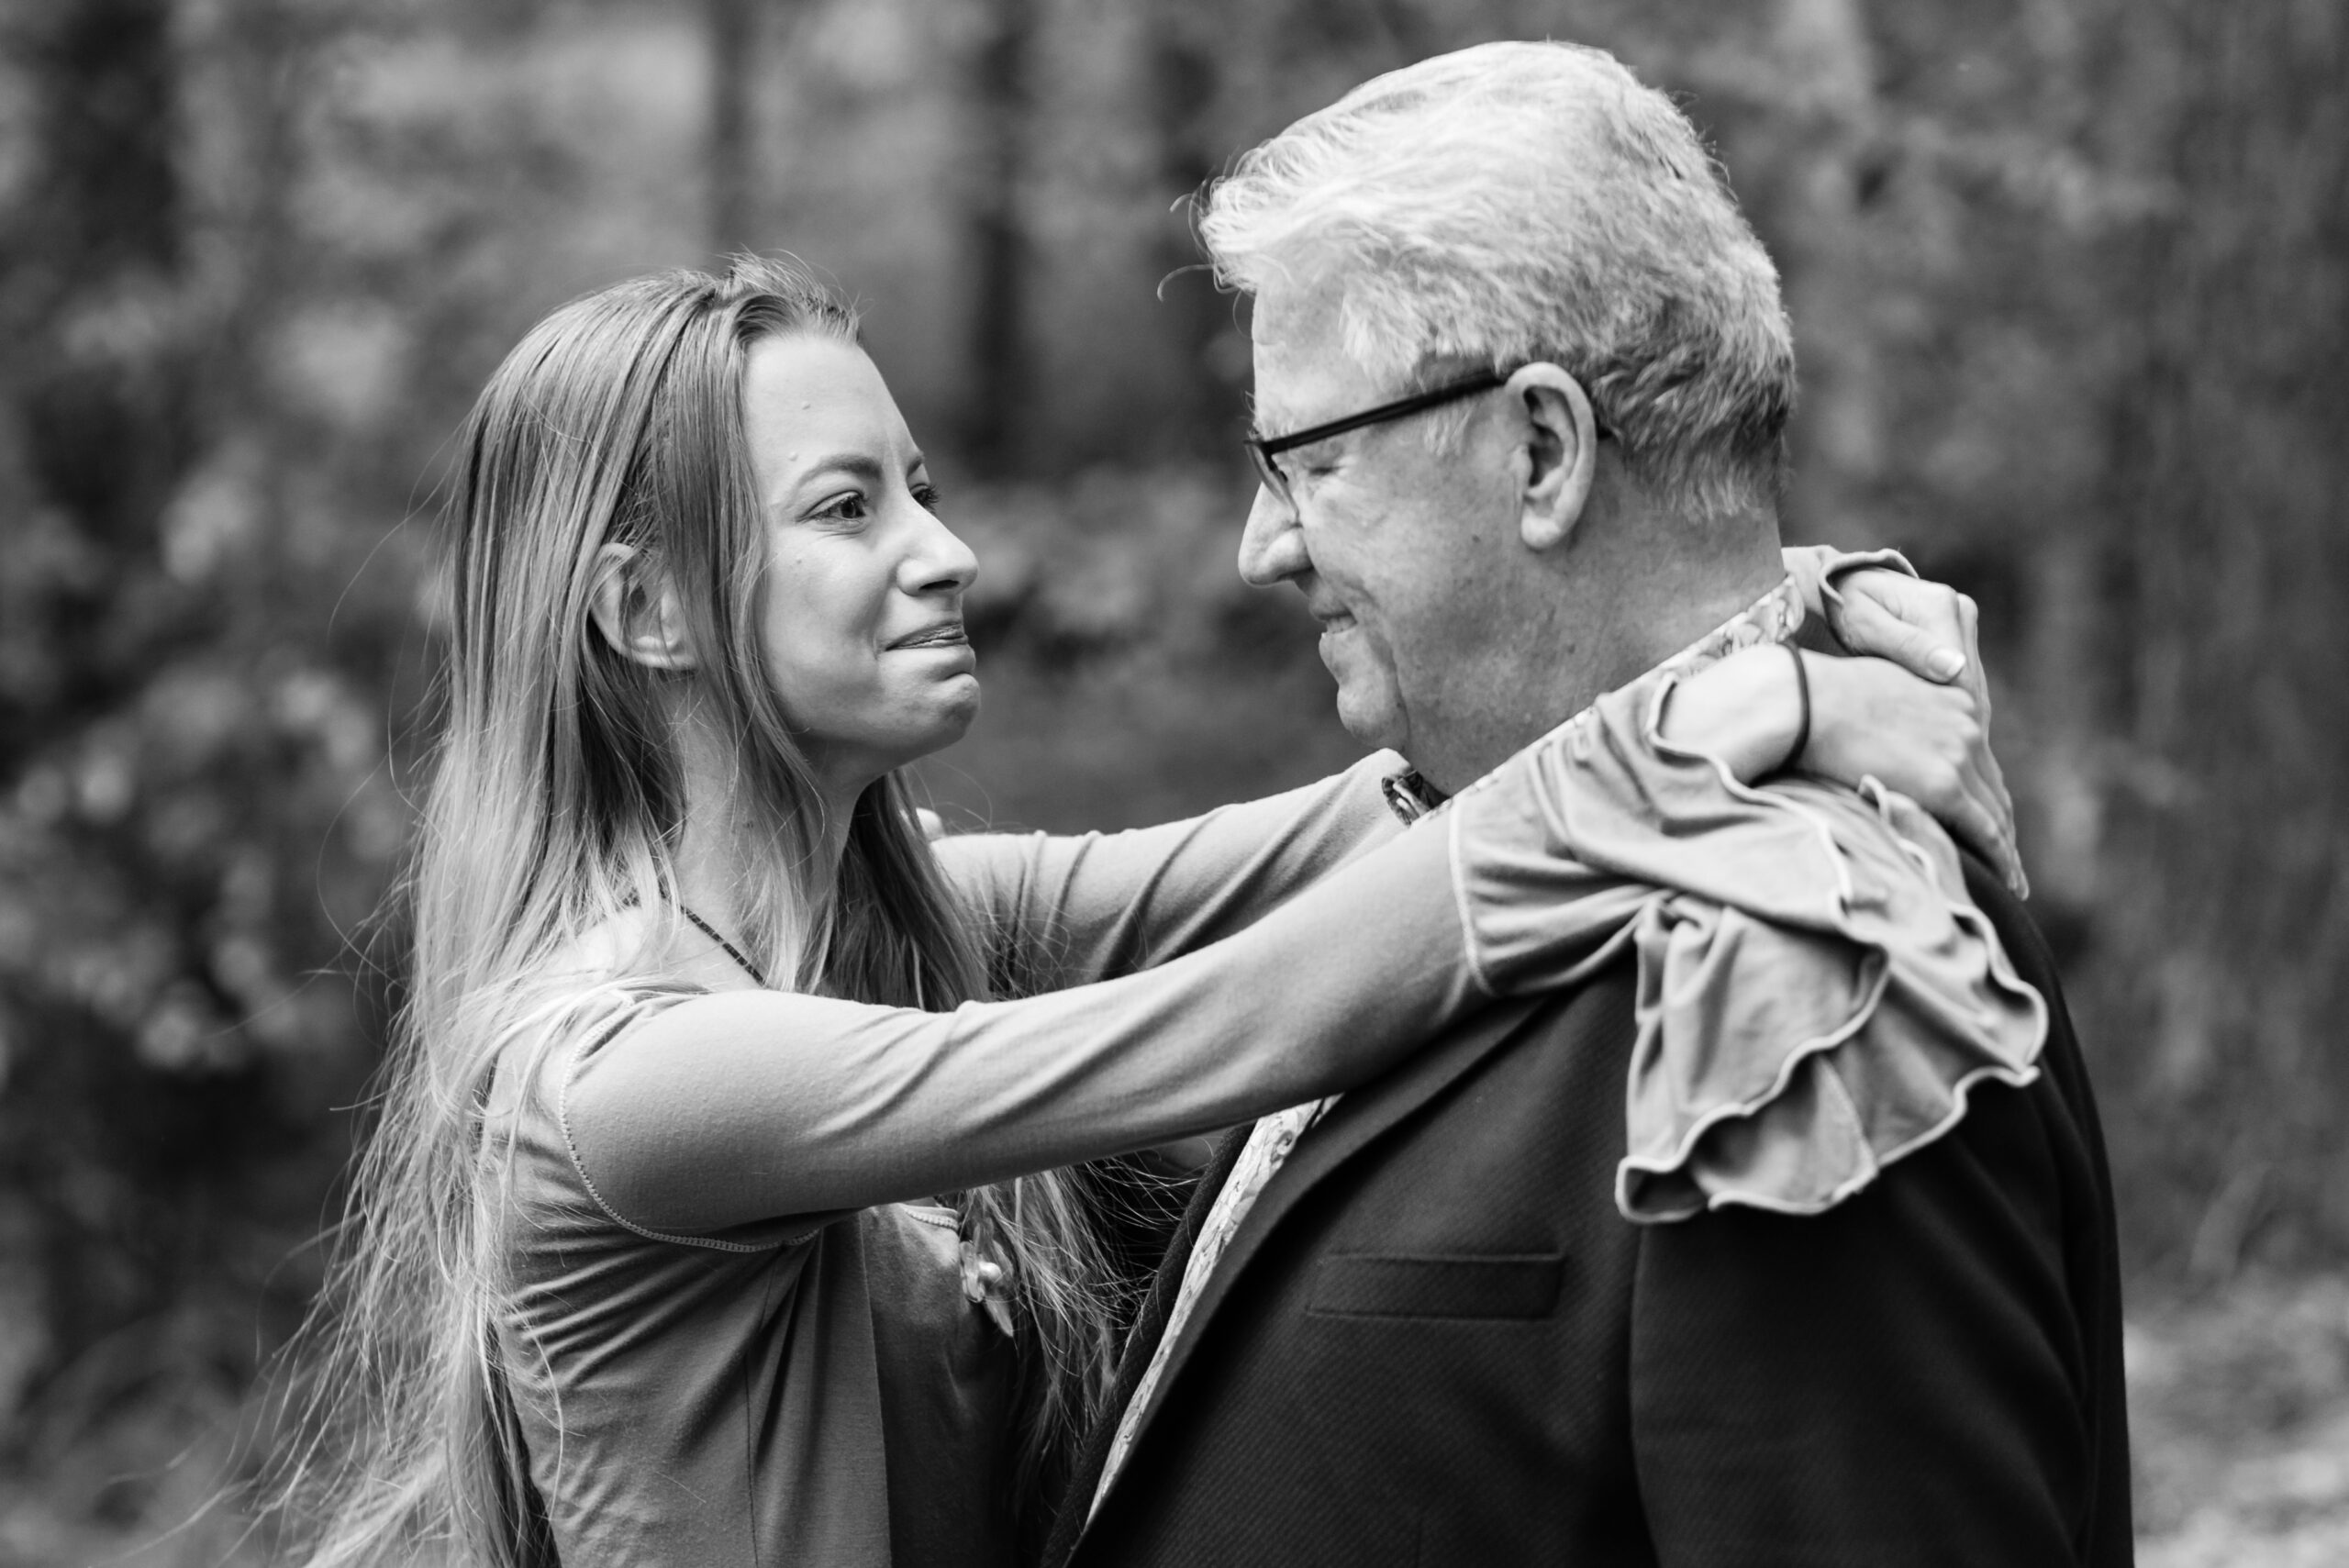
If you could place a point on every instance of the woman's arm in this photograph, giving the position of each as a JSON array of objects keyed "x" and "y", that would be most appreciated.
[
  {"x": 1874, "y": 603},
  {"x": 1076, "y": 908},
  {"x": 756, "y": 1105},
  {"x": 751, "y": 1105},
  {"x": 1870, "y": 719}
]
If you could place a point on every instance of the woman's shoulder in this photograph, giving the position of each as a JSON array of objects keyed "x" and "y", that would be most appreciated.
[{"x": 585, "y": 995}]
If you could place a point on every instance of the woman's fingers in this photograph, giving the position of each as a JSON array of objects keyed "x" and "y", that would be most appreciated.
[
  {"x": 1923, "y": 740},
  {"x": 2006, "y": 858},
  {"x": 1997, "y": 811},
  {"x": 1924, "y": 628},
  {"x": 1976, "y": 824},
  {"x": 1973, "y": 807},
  {"x": 1979, "y": 811},
  {"x": 1977, "y": 674},
  {"x": 1934, "y": 632},
  {"x": 1977, "y": 682}
]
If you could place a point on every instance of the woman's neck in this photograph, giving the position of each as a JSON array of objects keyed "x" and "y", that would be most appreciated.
[{"x": 718, "y": 839}]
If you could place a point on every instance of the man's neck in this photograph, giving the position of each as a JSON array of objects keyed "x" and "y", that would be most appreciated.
[{"x": 1602, "y": 628}]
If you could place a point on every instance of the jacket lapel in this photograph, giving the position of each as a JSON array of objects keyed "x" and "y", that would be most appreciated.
[{"x": 1350, "y": 1127}]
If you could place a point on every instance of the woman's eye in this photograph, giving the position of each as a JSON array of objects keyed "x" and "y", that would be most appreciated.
[
  {"x": 928, "y": 496},
  {"x": 847, "y": 508}
]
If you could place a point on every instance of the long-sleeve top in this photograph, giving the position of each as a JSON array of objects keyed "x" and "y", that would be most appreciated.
[
  {"x": 735, "y": 1332},
  {"x": 730, "y": 1284}
]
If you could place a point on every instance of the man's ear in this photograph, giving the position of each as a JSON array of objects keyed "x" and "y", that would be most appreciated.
[
  {"x": 636, "y": 610},
  {"x": 1558, "y": 454}
]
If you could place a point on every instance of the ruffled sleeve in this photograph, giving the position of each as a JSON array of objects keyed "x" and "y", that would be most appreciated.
[
  {"x": 1817, "y": 996},
  {"x": 1813, "y": 568}
]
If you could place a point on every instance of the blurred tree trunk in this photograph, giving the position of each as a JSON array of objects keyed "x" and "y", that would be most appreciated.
[
  {"x": 102, "y": 404},
  {"x": 997, "y": 410},
  {"x": 136, "y": 1105},
  {"x": 105, "y": 413},
  {"x": 733, "y": 63},
  {"x": 2230, "y": 824},
  {"x": 1183, "y": 72},
  {"x": 1822, "y": 46}
]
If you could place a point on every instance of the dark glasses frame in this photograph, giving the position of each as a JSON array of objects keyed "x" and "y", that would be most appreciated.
[{"x": 1264, "y": 451}]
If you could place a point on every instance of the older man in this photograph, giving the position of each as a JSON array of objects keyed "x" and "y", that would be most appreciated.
[{"x": 1521, "y": 375}]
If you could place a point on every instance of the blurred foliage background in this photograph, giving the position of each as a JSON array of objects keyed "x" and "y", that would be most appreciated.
[{"x": 2071, "y": 280}]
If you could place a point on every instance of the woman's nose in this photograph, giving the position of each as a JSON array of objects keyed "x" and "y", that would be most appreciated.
[
  {"x": 939, "y": 563},
  {"x": 1272, "y": 547}
]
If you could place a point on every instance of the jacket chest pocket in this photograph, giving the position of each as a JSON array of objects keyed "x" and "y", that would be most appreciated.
[{"x": 1470, "y": 1285}]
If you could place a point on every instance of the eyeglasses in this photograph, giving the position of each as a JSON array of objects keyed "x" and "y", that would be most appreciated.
[
  {"x": 1275, "y": 479},
  {"x": 1266, "y": 452}
]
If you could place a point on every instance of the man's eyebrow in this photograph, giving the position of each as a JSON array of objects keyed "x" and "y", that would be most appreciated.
[
  {"x": 1256, "y": 421},
  {"x": 1289, "y": 432}
]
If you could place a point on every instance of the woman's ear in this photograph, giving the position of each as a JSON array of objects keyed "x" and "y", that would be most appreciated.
[
  {"x": 636, "y": 609},
  {"x": 1558, "y": 457}
]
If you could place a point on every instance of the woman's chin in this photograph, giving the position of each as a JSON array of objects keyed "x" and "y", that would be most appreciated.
[
  {"x": 954, "y": 708},
  {"x": 908, "y": 727}
]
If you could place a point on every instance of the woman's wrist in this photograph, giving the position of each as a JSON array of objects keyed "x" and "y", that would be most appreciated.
[{"x": 1745, "y": 712}]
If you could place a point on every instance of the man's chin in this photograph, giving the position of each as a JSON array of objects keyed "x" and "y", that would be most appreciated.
[{"x": 1371, "y": 717}]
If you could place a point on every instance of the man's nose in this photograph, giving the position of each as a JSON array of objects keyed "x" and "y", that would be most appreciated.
[{"x": 1272, "y": 548}]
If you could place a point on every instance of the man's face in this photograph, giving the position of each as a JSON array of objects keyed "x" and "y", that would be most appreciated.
[{"x": 1395, "y": 547}]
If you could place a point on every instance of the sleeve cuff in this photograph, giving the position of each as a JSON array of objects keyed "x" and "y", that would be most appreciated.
[{"x": 1815, "y": 567}]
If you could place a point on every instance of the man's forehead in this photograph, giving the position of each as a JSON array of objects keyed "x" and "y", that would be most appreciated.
[{"x": 1301, "y": 365}]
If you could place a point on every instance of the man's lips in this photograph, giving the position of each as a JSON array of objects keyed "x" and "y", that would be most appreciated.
[{"x": 943, "y": 634}]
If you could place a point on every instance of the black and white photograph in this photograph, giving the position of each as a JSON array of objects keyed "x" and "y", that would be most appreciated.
[{"x": 1174, "y": 783}]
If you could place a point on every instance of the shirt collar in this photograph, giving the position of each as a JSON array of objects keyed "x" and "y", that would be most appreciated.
[{"x": 1774, "y": 618}]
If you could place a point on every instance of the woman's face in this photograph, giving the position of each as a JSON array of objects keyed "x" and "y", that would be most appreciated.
[{"x": 863, "y": 615}]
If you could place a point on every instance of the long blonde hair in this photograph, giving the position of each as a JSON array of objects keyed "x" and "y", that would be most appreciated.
[{"x": 555, "y": 806}]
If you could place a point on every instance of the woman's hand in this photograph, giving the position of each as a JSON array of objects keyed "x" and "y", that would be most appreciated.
[
  {"x": 1927, "y": 629},
  {"x": 1931, "y": 630},
  {"x": 1870, "y": 717}
]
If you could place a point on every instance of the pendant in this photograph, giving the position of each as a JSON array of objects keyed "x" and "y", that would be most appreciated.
[{"x": 988, "y": 1285}]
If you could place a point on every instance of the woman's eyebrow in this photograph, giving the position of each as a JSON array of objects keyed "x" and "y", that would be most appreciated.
[{"x": 855, "y": 463}]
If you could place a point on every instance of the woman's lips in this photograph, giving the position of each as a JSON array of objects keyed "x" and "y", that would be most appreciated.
[{"x": 946, "y": 634}]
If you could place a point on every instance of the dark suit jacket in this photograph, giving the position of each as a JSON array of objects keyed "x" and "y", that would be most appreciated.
[{"x": 1435, "y": 1342}]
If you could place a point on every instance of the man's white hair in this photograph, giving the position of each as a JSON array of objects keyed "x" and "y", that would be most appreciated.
[{"x": 1533, "y": 201}]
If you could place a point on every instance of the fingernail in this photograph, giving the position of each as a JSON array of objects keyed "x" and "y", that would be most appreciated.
[{"x": 1945, "y": 663}]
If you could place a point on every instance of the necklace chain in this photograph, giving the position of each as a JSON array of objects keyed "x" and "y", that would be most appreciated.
[{"x": 732, "y": 951}]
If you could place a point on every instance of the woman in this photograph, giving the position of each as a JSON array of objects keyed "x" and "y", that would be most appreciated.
[{"x": 714, "y": 1216}]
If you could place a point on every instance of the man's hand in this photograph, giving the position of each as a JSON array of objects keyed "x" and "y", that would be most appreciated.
[{"x": 1931, "y": 631}]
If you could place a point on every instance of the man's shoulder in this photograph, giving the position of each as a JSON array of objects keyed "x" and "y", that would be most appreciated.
[
  {"x": 1595, "y": 1017},
  {"x": 1569, "y": 1048},
  {"x": 2026, "y": 946}
]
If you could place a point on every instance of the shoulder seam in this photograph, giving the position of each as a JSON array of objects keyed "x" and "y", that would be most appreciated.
[{"x": 570, "y": 1146}]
